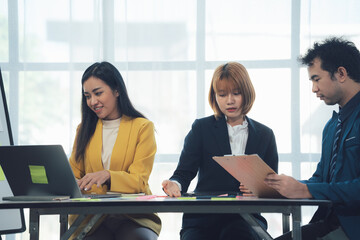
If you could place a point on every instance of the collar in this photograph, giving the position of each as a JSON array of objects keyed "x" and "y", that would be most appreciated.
[
  {"x": 238, "y": 127},
  {"x": 349, "y": 107}
]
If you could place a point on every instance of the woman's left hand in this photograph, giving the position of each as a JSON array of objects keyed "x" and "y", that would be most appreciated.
[
  {"x": 98, "y": 178},
  {"x": 245, "y": 191}
]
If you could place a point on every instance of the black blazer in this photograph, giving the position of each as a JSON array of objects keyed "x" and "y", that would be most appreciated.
[{"x": 209, "y": 137}]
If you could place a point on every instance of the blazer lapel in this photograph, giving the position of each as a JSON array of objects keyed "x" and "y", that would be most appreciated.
[
  {"x": 253, "y": 137},
  {"x": 121, "y": 143},
  {"x": 221, "y": 135},
  {"x": 345, "y": 135},
  {"x": 350, "y": 125},
  {"x": 93, "y": 153}
]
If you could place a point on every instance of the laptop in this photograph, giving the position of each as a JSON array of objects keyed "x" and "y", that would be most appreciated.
[
  {"x": 40, "y": 173},
  {"x": 251, "y": 171}
]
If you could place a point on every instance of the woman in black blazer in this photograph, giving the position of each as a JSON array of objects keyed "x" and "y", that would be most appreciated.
[{"x": 228, "y": 131}]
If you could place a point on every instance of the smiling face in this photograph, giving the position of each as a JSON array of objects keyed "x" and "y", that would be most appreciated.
[
  {"x": 325, "y": 87},
  {"x": 101, "y": 99},
  {"x": 230, "y": 101}
]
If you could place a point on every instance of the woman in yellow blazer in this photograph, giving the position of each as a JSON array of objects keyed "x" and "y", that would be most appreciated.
[{"x": 114, "y": 151}]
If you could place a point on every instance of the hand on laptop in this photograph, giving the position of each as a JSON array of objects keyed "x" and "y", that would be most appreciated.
[{"x": 98, "y": 178}]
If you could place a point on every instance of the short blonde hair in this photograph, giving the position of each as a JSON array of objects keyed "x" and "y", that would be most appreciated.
[{"x": 236, "y": 75}]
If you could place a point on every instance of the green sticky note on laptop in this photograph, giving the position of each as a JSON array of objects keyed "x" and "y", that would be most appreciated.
[
  {"x": 38, "y": 174},
  {"x": 2, "y": 176}
]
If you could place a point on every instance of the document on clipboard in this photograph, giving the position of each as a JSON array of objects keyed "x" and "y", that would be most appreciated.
[{"x": 251, "y": 171}]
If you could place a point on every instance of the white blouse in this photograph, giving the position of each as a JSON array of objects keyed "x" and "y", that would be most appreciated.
[
  {"x": 238, "y": 136},
  {"x": 109, "y": 133}
]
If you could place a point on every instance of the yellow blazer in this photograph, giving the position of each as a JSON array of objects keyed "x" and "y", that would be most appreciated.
[{"x": 131, "y": 163}]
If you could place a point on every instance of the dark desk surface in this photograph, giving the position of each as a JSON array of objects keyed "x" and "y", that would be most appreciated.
[
  {"x": 243, "y": 206},
  {"x": 165, "y": 204}
]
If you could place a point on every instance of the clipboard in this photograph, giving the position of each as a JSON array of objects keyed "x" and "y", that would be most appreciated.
[{"x": 251, "y": 171}]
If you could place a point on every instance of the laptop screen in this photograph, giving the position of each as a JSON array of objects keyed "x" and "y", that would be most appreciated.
[{"x": 38, "y": 170}]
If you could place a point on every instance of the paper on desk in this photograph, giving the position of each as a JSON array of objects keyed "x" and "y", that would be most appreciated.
[
  {"x": 86, "y": 199},
  {"x": 125, "y": 194},
  {"x": 186, "y": 198},
  {"x": 224, "y": 198}
]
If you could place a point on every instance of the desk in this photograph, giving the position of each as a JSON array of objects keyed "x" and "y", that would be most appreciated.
[{"x": 244, "y": 206}]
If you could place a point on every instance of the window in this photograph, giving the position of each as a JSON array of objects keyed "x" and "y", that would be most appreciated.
[{"x": 167, "y": 51}]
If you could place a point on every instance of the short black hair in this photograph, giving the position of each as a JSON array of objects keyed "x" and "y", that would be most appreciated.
[{"x": 335, "y": 52}]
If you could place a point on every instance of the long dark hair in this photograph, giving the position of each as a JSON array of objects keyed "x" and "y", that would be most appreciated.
[{"x": 112, "y": 77}]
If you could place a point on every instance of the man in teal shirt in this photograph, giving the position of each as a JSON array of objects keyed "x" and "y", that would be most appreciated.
[{"x": 334, "y": 69}]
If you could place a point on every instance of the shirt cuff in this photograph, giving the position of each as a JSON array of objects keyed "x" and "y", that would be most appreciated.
[{"x": 177, "y": 183}]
